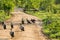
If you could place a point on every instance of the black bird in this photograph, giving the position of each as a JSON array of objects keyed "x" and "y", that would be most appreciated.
[
  {"x": 22, "y": 21},
  {"x": 22, "y": 28},
  {"x": 28, "y": 21},
  {"x": 33, "y": 20},
  {"x": 12, "y": 34},
  {"x": 4, "y": 26},
  {"x": 11, "y": 25}
]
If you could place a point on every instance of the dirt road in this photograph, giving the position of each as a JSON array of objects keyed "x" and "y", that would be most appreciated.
[{"x": 32, "y": 31}]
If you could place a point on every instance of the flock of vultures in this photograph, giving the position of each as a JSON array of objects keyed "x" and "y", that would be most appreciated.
[{"x": 21, "y": 26}]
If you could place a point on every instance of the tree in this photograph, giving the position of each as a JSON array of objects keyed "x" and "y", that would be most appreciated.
[{"x": 8, "y": 6}]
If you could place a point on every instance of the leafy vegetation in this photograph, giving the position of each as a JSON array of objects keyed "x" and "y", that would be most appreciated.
[
  {"x": 52, "y": 26},
  {"x": 5, "y": 9}
]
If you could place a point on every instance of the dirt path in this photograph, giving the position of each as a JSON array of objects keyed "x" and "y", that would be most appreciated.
[{"x": 32, "y": 31}]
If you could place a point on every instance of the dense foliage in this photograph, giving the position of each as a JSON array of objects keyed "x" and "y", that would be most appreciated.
[
  {"x": 5, "y": 9},
  {"x": 52, "y": 27}
]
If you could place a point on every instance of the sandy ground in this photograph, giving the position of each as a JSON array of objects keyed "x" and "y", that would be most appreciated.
[{"x": 32, "y": 31}]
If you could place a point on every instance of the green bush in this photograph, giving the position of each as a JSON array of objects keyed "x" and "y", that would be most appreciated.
[
  {"x": 53, "y": 28},
  {"x": 3, "y": 16}
]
